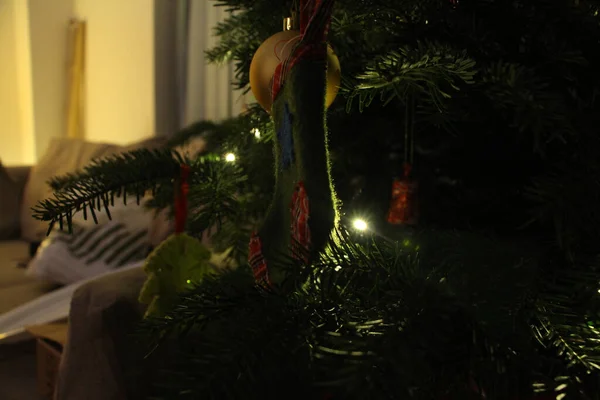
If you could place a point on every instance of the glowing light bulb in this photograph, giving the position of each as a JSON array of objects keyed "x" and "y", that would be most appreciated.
[
  {"x": 360, "y": 224},
  {"x": 256, "y": 133},
  {"x": 230, "y": 157}
]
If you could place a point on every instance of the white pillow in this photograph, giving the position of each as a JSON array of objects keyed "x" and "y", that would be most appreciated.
[
  {"x": 134, "y": 215},
  {"x": 89, "y": 251}
]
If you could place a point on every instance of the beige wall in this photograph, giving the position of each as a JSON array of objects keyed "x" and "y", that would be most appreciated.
[
  {"x": 48, "y": 27},
  {"x": 119, "y": 69},
  {"x": 16, "y": 118},
  {"x": 32, "y": 76},
  {"x": 120, "y": 76}
]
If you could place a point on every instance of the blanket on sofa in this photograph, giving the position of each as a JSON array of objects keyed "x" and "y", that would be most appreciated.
[{"x": 47, "y": 308}]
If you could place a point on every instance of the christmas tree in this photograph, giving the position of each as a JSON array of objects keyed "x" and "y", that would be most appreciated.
[{"x": 485, "y": 286}]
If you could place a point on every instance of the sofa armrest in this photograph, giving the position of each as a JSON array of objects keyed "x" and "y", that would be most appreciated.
[
  {"x": 19, "y": 175},
  {"x": 103, "y": 314},
  {"x": 11, "y": 200}
]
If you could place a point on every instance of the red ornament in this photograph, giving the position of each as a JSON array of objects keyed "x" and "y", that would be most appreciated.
[
  {"x": 404, "y": 207},
  {"x": 257, "y": 262},
  {"x": 300, "y": 230}
]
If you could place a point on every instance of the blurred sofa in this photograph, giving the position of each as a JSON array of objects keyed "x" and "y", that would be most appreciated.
[
  {"x": 15, "y": 287},
  {"x": 103, "y": 311},
  {"x": 21, "y": 188}
]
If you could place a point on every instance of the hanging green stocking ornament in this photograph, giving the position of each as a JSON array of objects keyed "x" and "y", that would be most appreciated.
[{"x": 303, "y": 211}]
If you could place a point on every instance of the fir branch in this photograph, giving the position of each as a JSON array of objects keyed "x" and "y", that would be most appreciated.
[
  {"x": 240, "y": 35},
  {"x": 237, "y": 44},
  {"x": 95, "y": 187},
  {"x": 567, "y": 322},
  {"x": 213, "y": 190},
  {"x": 351, "y": 324},
  {"x": 197, "y": 129},
  {"x": 228, "y": 315},
  {"x": 234, "y": 233},
  {"x": 216, "y": 294},
  {"x": 563, "y": 199},
  {"x": 431, "y": 71},
  {"x": 222, "y": 192},
  {"x": 530, "y": 102},
  {"x": 235, "y": 132},
  {"x": 381, "y": 295}
]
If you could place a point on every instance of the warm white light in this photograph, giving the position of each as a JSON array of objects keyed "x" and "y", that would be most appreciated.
[
  {"x": 360, "y": 224},
  {"x": 256, "y": 133},
  {"x": 230, "y": 157}
]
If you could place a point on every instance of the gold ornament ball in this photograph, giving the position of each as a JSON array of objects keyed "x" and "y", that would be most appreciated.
[{"x": 273, "y": 51}]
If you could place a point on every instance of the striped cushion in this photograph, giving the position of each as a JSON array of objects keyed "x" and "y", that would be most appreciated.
[{"x": 66, "y": 258}]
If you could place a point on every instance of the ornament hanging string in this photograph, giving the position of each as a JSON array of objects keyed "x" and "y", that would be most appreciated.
[
  {"x": 285, "y": 43},
  {"x": 295, "y": 12},
  {"x": 409, "y": 136},
  {"x": 306, "y": 12},
  {"x": 403, "y": 206},
  {"x": 181, "y": 195},
  {"x": 287, "y": 27},
  {"x": 315, "y": 18}
]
